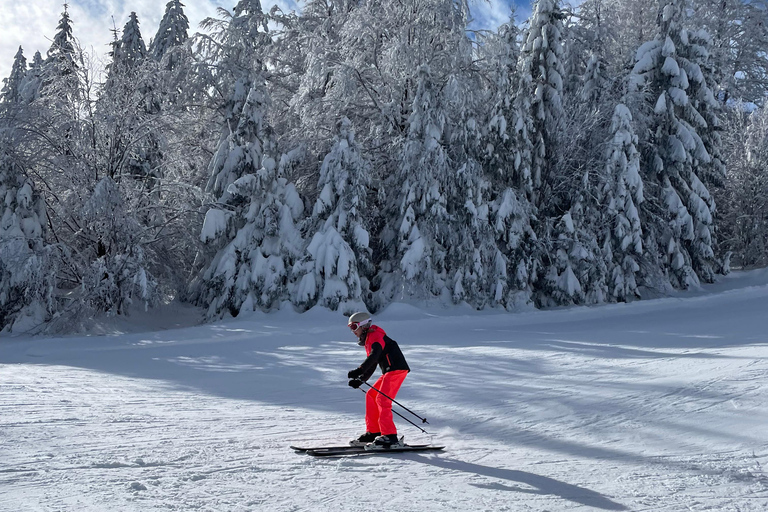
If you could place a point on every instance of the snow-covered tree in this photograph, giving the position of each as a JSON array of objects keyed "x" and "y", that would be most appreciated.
[
  {"x": 118, "y": 272},
  {"x": 423, "y": 220},
  {"x": 253, "y": 270},
  {"x": 242, "y": 150},
  {"x": 744, "y": 201},
  {"x": 570, "y": 276},
  {"x": 127, "y": 105},
  {"x": 514, "y": 267},
  {"x": 629, "y": 24},
  {"x": 254, "y": 225},
  {"x": 739, "y": 32},
  {"x": 27, "y": 271},
  {"x": 63, "y": 62},
  {"x": 595, "y": 40},
  {"x": 30, "y": 85},
  {"x": 441, "y": 228},
  {"x": 542, "y": 81},
  {"x": 566, "y": 247},
  {"x": 503, "y": 161},
  {"x": 11, "y": 93},
  {"x": 237, "y": 58},
  {"x": 679, "y": 208},
  {"x": 701, "y": 94},
  {"x": 172, "y": 33},
  {"x": 130, "y": 51},
  {"x": 337, "y": 267},
  {"x": 621, "y": 193}
]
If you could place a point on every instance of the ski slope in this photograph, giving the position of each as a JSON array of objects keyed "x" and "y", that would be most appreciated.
[{"x": 659, "y": 405}]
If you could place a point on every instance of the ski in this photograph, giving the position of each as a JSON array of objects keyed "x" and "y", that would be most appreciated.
[
  {"x": 335, "y": 451},
  {"x": 343, "y": 447}
]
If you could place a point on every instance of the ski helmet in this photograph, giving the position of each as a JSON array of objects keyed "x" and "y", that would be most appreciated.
[{"x": 360, "y": 318}]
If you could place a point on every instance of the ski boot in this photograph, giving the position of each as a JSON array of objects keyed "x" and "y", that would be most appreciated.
[
  {"x": 364, "y": 439},
  {"x": 385, "y": 442}
]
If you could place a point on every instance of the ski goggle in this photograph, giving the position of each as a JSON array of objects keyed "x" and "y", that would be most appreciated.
[{"x": 354, "y": 325}]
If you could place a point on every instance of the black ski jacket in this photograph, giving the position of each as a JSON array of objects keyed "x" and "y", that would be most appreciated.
[{"x": 382, "y": 351}]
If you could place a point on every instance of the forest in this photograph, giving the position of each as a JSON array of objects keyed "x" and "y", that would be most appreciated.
[{"x": 363, "y": 152}]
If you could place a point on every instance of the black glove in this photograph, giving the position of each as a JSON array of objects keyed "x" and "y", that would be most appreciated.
[
  {"x": 355, "y": 383},
  {"x": 356, "y": 373}
]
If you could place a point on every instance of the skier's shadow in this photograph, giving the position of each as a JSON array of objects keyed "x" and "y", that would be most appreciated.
[{"x": 535, "y": 484}]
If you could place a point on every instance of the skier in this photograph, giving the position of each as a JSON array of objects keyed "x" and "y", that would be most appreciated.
[{"x": 384, "y": 351}]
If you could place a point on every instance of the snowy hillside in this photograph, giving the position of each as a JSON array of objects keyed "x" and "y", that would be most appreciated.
[{"x": 660, "y": 405}]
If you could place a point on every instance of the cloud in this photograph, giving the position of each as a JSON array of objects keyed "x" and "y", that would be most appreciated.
[{"x": 490, "y": 14}]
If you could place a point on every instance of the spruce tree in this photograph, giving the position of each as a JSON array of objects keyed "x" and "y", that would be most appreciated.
[
  {"x": 62, "y": 64},
  {"x": 679, "y": 208},
  {"x": 237, "y": 52},
  {"x": 131, "y": 51},
  {"x": 27, "y": 272},
  {"x": 172, "y": 33},
  {"x": 32, "y": 81},
  {"x": 11, "y": 93},
  {"x": 337, "y": 267},
  {"x": 542, "y": 66},
  {"x": 422, "y": 219},
  {"x": 507, "y": 166},
  {"x": 253, "y": 228},
  {"x": 621, "y": 193}
]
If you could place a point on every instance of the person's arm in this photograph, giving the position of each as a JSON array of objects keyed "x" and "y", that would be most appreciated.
[
  {"x": 369, "y": 365},
  {"x": 366, "y": 369}
]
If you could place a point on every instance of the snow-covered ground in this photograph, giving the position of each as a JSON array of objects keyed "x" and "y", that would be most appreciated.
[{"x": 660, "y": 405}]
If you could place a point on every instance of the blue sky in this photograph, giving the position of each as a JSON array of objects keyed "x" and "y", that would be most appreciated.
[{"x": 32, "y": 23}]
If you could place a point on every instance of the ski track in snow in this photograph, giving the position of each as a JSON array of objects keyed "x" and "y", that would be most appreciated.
[{"x": 656, "y": 406}]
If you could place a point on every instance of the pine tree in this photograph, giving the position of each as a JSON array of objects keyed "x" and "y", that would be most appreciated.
[
  {"x": 514, "y": 266},
  {"x": 27, "y": 274},
  {"x": 237, "y": 50},
  {"x": 60, "y": 79},
  {"x": 421, "y": 203},
  {"x": 32, "y": 81},
  {"x": 676, "y": 153},
  {"x": 241, "y": 152},
  {"x": 171, "y": 33},
  {"x": 542, "y": 55},
  {"x": 11, "y": 93},
  {"x": 337, "y": 267},
  {"x": 442, "y": 235},
  {"x": 472, "y": 250},
  {"x": 502, "y": 159},
  {"x": 621, "y": 193},
  {"x": 127, "y": 106},
  {"x": 593, "y": 29},
  {"x": 253, "y": 228},
  {"x": 509, "y": 173},
  {"x": 131, "y": 51},
  {"x": 564, "y": 253}
]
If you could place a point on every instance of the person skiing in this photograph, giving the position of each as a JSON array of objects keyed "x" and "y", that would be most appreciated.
[{"x": 384, "y": 352}]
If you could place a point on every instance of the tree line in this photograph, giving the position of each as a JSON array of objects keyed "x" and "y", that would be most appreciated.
[{"x": 363, "y": 152}]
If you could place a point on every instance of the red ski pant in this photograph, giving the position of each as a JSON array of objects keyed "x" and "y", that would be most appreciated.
[{"x": 378, "y": 408}]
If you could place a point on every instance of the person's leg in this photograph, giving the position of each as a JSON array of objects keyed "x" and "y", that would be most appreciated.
[
  {"x": 389, "y": 385},
  {"x": 372, "y": 408}
]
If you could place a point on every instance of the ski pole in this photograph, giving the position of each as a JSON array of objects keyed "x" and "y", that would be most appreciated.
[
  {"x": 423, "y": 420},
  {"x": 406, "y": 419}
]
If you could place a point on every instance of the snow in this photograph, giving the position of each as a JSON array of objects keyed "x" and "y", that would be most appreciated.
[
  {"x": 656, "y": 405},
  {"x": 214, "y": 224}
]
